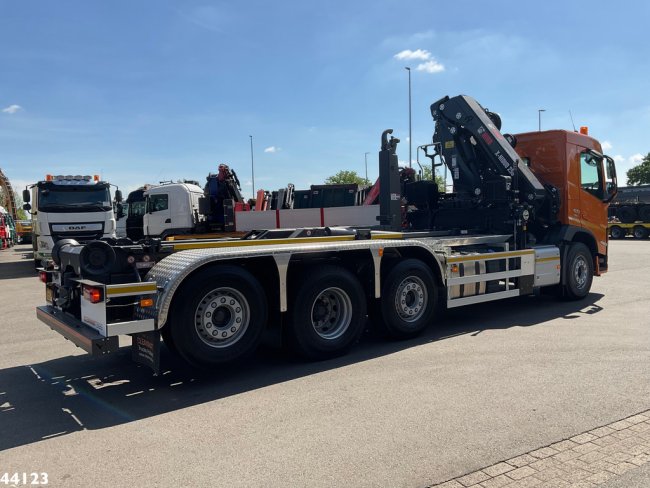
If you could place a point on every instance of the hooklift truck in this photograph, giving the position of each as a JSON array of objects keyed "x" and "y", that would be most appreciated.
[{"x": 528, "y": 212}]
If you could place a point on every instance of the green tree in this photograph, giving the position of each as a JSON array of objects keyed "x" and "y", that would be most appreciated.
[
  {"x": 640, "y": 174},
  {"x": 427, "y": 174},
  {"x": 346, "y": 177},
  {"x": 20, "y": 213}
]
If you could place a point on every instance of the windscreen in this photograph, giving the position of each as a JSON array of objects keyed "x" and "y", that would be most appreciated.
[
  {"x": 74, "y": 198},
  {"x": 137, "y": 209}
]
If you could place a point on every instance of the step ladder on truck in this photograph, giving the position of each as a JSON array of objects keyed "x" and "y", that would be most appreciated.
[{"x": 520, "y": 220}]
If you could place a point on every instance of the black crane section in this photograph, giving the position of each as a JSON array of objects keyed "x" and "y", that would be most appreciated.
[{"x": 493, "y": 189}]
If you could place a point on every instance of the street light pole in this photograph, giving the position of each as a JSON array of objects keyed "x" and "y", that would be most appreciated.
[
  {"x": 539, "y": 119},
  {"x": 252, "y": 167},
  {"x": 410, "y": 138},
  {"x": 366, "y": 158}
]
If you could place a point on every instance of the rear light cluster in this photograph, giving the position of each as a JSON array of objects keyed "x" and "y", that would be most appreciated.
[
  {"x": 93, "y": 294},
  {"x": 44, "y": 276}
]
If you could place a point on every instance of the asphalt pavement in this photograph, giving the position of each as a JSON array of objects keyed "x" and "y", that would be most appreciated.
[{"x": 485, "y": 384}]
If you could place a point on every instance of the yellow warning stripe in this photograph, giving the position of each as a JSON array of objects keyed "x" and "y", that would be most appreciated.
[
  {"x": 182, "y": 246},
  {"x": 544, "y": 260},
  {"x": 262, "y": 242},
  {"x": 392, "y": 235},
  {"x": 494, "y": 255},
  {"x": 133, "y": 288}
]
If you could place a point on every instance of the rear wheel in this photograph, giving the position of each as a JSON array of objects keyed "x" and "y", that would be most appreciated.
[
  {"x": 644, "y": 213},
  {"x": 640, "y": 232},
  {"x": 218, "y": 317},
  {"x": 578, "y": 272},
  {"x": 166, "y": 335},
  {"x": 627, "y": 214},
  {"x": 328, "y": 314},
  {"x": 616, "y": 232},
  {"x": 408, "y": 299}
]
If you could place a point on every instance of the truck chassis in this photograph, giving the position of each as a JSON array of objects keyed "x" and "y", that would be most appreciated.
[{"x": 454, "y": 270}]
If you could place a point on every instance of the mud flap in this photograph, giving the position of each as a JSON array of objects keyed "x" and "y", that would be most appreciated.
[{"x": 145, "y": 349}]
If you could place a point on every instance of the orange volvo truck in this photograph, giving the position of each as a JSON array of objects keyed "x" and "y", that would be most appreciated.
[{"x": 527, "y": 213}]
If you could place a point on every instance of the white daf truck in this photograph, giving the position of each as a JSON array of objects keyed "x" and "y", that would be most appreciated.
[{"x": 69, "y": 207}]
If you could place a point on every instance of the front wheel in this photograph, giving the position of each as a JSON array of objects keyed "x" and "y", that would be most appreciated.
[
  {"x": 578, "y": 272},
  {"x": 328, "y": 314},
  {"x": 218, "y": 317},
  {"x": 408, "y": 299}
]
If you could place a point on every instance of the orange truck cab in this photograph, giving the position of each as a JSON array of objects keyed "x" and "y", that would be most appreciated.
[{"x": 586, "y": 180}]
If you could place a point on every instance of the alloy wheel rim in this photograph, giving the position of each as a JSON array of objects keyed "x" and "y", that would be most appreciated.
[
  {"x": 222, "y": 317},
  {"x": 331, "y": 313}
]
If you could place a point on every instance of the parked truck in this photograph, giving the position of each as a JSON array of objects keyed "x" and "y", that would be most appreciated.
[
  {"x": 8, "y": 213},
  {"x": 528, "y": 213},
  {"x": 8, "y": 232},
  {"x": 629, "y": 213},
  {"x": 69, "y": 207},
  {"x": 24, "y": 230},
  {"x": 184, "y": 208}
]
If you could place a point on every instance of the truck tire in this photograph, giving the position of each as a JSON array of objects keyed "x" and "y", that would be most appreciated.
[
  {"x": 327, "y": 315},
  {"x": 640, "y": 232},
  {"x": 166, "y": 335},
  {"x": 408, "y": 299},
  {"x": 616, "y": 232},
  {"x": 218, "y": 317},
  {"x": 626, "y": 214},
  {"x": 644, "y": 213},
  {"x": 578, "y": 272}
]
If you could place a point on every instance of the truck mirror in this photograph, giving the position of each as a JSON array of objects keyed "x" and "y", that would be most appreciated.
[
  {"x": 27, "y": 206},
  {"x": 611, "y": 188},
  {"x": 26, "y": 196},
  {"x": 118, "y": 196}
]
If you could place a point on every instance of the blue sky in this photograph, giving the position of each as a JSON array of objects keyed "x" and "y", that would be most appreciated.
[{"x": 143, "y": 91}]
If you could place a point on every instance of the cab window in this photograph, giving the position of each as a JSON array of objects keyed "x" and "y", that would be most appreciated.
[
  {"x": 590, "y": 175},
  {"x": 137, "y": 209},
  {"x": 158, "y": 203}
]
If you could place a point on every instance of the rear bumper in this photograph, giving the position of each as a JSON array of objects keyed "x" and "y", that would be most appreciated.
[{"x": 77, "y": 332}]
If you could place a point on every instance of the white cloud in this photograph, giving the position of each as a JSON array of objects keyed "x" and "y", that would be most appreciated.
[
  {"x": 624, "y": 164},
  {"x": 272, "y": 149},
  {"x": 207, "y": 16},
  {"x": 12, "y": 109},
  {"x": 606, "y": 145},
  {"x": 636, "y": 159},
  {"x": 417, "y": 54},
  {"x": 431, "y": 66}
]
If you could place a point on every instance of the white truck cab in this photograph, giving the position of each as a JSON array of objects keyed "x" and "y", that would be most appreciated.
[
  {"x": 69, "y": 207},
  {"x": 171, "y": 209}
]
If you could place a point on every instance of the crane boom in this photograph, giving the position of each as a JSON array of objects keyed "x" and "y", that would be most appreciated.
[
  {"x": 9, "y": 196},
  {"x": 477, "y": 153}
]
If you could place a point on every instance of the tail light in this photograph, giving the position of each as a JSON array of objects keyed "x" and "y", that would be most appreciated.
[
  {"x": 93, "y": 294},
  {"x": 44, "y": 276}
]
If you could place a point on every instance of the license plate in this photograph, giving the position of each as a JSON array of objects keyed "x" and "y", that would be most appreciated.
[{"x": 48, "y": 294}]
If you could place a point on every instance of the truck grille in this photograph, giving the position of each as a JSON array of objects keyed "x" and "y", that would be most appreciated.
[
  {"x": 95, "y": 230},
  {"x": 78, "y": 236}
]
